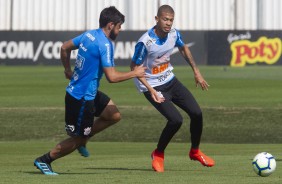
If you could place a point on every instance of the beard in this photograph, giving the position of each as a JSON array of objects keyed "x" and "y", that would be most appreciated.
[{"x": 112, "y": 35}]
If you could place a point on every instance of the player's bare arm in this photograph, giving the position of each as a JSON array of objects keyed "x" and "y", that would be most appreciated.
[
  {"x": 199, "y": 79},
  {"x": 114, "y": 76},
  {"x": 66, "y": 49},
  {"x": 155, "y": 95}
]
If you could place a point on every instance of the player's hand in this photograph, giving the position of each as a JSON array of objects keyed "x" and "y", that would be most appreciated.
[
  {"x": 200, "y": 81},
  {"x": 68, "y": 74},
  {"x": 157, "y": 96},
  {"x": 140, "y": 71}
]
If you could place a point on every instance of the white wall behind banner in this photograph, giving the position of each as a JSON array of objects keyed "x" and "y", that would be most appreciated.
[
  {"x": 48, "y": 14},
  {"x": 189, "y": 14},
  {"x": 5, "y": 14}
]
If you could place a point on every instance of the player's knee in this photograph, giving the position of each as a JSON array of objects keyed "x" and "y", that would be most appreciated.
[
  {"x": 177, "y": 120},
  {"x": 196, "y": 115},
  {"x": 116, "y": 117},
  {"x": 58, "y": 148},
  {"x": 173, "y": 126}
]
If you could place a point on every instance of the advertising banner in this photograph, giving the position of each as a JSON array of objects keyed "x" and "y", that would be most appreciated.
[
  {"x": 231, "y": 48},
  {"x": 43, "y": 47},
  {"x": 31, "y": 47},
  {"x": 243, "y": 48}
]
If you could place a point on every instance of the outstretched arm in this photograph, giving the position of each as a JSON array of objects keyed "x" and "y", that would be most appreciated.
[
  {"x": 114, "y": 76},
  {"x": 185, "y": 52}
]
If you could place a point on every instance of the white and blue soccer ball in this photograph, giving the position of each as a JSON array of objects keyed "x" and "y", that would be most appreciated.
[{"x": 264, "y": 164}]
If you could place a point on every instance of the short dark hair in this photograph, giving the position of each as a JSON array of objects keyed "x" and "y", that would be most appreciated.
[
  {"x": 165, "y": 8},
  {"x": 110, "y": 14}
]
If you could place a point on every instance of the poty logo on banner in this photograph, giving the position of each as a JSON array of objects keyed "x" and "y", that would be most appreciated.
[{"x": 264, "y": 50}]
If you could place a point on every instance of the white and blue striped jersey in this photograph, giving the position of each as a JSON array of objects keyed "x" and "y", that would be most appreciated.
[
  {"x": 95, "y": 51},
  {"x": 154, "y": 53}
]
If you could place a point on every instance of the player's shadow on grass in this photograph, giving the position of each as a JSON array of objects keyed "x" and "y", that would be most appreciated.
[
  {"x": 128, "y": 169},
  {"x": 31, "y": 172},
  {"x": 99, "y": 169},
  {"x": 60, "y": 173},
  {"x": 117, "y": 169}
]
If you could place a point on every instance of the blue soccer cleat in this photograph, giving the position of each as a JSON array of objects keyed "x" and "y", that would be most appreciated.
[
  {"x": 44, "y": 167},
  {"x": 83, "y": 151}
]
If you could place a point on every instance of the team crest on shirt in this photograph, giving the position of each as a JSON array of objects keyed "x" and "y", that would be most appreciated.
[{"x": 87, "y": 131}]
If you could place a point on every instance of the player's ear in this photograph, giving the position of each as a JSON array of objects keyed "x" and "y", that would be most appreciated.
[
  {"x": 156, "y": 19},
  {"x": 110, "y": 25}
]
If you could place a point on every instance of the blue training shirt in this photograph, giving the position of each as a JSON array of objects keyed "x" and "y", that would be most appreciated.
[{"x": 95, "y": 51}]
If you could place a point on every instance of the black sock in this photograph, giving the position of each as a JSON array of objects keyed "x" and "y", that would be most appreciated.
[{"x": 46, "y": 158}]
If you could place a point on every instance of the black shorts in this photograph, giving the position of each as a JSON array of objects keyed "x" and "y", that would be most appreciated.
[{"x": 79, "y": 114}]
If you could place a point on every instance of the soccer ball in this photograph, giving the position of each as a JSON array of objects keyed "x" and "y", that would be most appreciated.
[{"x": 264, "y": 164}]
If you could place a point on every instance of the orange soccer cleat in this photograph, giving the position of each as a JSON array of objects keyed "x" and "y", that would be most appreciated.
[
  {"x": 157, "y": 161},
  {"x": 196, "y": 154}
]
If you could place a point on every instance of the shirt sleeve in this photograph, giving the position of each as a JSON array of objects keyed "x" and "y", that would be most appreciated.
[
  {"x": 107, "y": 55},
  {"x": 140, "y": 53},
  {"x": 179, "y": 42},
  {"x": 76, "y": 41}
]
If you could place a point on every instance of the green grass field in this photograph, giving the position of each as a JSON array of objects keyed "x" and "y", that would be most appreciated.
[
  {"x": 130, "y": 163},
  {"x": 242, "y": 116}
]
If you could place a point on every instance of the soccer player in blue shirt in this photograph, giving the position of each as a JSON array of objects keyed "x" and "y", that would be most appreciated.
[
  {"x": 83, "y": 101},
  {"x": 153, "y": 50}
]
